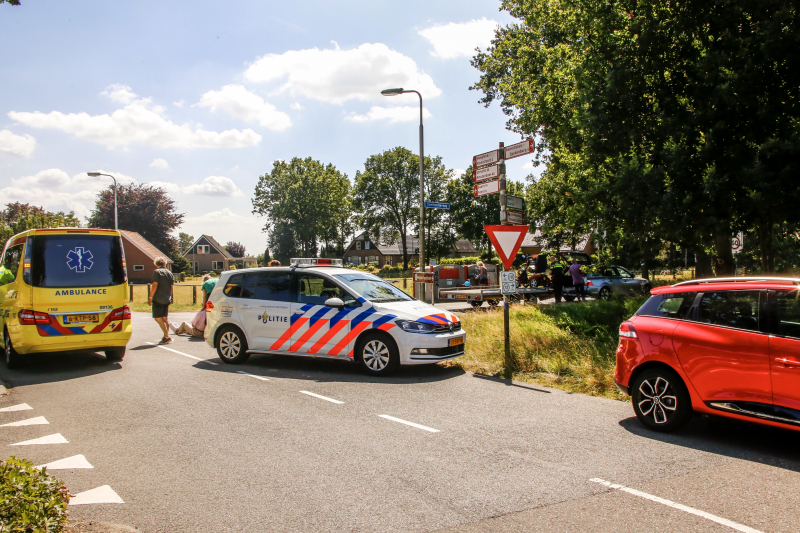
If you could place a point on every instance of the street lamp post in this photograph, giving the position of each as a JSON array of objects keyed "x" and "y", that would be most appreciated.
[
  {"x": 96, "y": 174},
  {"x": 395, "y": 92}
]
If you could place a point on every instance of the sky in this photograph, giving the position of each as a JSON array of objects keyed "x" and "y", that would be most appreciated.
[{"x": 201, "y": 97}]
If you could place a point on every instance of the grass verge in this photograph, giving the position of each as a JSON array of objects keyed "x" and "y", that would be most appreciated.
[{"x": 565, "y": 346}]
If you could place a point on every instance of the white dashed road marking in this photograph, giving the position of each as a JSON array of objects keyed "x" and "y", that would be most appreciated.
[
  {"x": 55, "y": 438},
  {"x": 181, "y": 353},
  {"x": 20, "y": 407},
  {"x": 104, "y": 494},
  {"x": 320, "y": 397},
  {"x": 679, "y": 506},
  {"x": 70, "y": 463},
  {"x": 412, "y": 424},
  {"x": 38, "y": 421},
  {"x": 262, "y": 378}
]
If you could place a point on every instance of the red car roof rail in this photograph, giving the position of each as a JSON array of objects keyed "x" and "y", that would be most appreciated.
[{"x": 753, "y": 279}]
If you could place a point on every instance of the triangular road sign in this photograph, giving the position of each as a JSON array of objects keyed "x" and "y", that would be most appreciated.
[{"x": 506, "y": 240}]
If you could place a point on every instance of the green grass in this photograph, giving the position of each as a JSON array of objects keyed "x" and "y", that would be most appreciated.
[{"x": 566, "y": 346}]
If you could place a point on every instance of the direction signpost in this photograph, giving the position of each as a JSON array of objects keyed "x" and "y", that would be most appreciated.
[
  {"x": 508, "y": 282},
  {"x": 487, "y": 187},
  {"x": 437, "y": 205},
  {"x": 515, "y": 217},
  {"x": 486, "y": 173}
]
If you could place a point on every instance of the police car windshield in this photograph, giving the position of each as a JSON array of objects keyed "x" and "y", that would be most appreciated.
[{"x": 373, "y": 288}]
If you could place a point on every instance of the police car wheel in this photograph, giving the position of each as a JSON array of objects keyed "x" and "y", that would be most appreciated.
[
  {"x": 232, "y": 346},
  {"x": 11, "y": 355},
  {"x": 377, "y": 354},
  {"x": 115, "y": 354}
]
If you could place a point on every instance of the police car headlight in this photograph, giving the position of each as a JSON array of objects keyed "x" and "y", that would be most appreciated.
[{"x": 415, "y": 327}]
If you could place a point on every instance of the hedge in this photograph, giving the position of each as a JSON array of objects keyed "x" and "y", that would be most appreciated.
[{"x": 30, "y": 500}]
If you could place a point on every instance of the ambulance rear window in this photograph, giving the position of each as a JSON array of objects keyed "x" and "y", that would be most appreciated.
[{"x": 75, "y": 261}]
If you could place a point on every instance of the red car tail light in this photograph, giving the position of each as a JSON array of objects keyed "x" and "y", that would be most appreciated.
[
  {"x": 627, "y": 330},
  {"x": 121, "y": 313},
  {"x": 589, "y": 282},
  {"x": 209, "y": 306},
  {"x": 29, "y": 318}
]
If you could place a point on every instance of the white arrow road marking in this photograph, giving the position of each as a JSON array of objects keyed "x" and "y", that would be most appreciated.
[
  {"x": 70, "y": 463},
  {"x": 55, "y": 438},
  {"x": 20, "y": 407},
  {"x": 262, "y": 378},
  {"x": 320, "y": 397},
  {"x": 406, "y": 422},
  {"x": 691, "y": 510},
  {"x": 181, "y": 353},
  {"x": 38, "y": 421},
  {"x": 104, "y": 494}
]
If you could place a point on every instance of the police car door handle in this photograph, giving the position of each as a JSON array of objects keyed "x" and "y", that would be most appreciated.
[{"x": 299, "y": 312}]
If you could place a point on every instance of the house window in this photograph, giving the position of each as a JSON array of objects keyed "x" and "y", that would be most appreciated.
[
  {"x": 354, "y": 260},
  {"x": 358, "y": 245},
  {"x": 388, "y": 260},
  {"x": 138, "y": 268},
  {"x": 203, "y": 249},
  {"x": 217, "y": 265},
  {"x": 366, "y": 245}
]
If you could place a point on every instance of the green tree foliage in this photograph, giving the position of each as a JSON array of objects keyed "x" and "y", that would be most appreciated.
[
  {"x": 665, "y": 121},
  {"x": 18, "y": 217},
  {"x": 440, "y": 226},
  {"x": 12, "y": 2},
  {"x": 305, "y": 202},
  {"x": 470, "y": 213},
  {"x": 185, "y": 241}
]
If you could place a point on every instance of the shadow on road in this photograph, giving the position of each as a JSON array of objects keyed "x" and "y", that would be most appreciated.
[
  {"x": 330, "y": 370},
  {"x": 732, "y": 438},
  {"x": 53, "y": 367}
]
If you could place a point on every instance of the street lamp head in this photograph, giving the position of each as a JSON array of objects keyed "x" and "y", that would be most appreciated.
[
  {"x": 94, "y": 174},
  {"x": 392, "y": 92}
]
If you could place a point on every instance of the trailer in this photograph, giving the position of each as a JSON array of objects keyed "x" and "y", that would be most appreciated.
[{"x": 490, "y": 294}]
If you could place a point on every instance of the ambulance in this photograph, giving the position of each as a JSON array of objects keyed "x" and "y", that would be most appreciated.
[
  {"x": 317, "y": 308},
  {"x": 64, "y": 289}
]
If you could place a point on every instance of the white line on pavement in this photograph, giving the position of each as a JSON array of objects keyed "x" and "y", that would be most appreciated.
[
  {"x": 55, "y": 438},
  {"x": 104, "y": 494},
  {"x": 20, "y": 407},
  {"x": 674, "y": 505},
  {"x": 181, "y": 353},
  {"x": 412, "y": 424},
  {"x": 70, "y": 463},
  {"x": 38, "y": 421},
  {"x": 320, "y": 397},
  {"x": 262, "y": 378}
]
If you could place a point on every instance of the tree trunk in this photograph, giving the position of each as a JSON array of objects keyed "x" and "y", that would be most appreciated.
[
  {"x": 703, "y": 264},
  {"x": 724, "y": 265},
  {"x": 766, "y": 243}
]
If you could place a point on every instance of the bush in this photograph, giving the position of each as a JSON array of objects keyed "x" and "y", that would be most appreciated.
[
  {"x": 463, "y": 261},
  {"x": 30, "y": 500}
]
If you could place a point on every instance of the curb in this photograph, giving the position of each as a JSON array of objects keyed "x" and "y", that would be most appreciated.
[{"x": 3, "y": 390}]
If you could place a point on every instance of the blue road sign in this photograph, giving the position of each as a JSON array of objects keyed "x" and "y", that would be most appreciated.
[{"x": 437, "y": 205}]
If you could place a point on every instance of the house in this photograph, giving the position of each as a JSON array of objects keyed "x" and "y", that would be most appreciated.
[
  {"x": 363, "y": 250},
  {"x": 139, "y": 256},
  {"x": 534, "y": 243},
  {"x": 206, "y": 254}
]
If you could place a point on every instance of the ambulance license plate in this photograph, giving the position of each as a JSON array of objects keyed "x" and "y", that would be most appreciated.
[
  {"x": 457, "y": 341},
  {"x": 81, "y": 319}
]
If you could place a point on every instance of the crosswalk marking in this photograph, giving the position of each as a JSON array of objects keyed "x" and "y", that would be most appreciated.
[
  {"x": 55, "y": 438},
  {"x": 38, "y": 421}
]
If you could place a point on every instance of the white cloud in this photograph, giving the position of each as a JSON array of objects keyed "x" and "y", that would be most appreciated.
[
  {"x": 460, "y": 40},
  {"x": 120, "y": 93},
  {"x": 51, "y": 179},
  {"x": 458, "y": 172},
  {"x": 160, "y": 163},
  {"x": 171, "y": 188},
  {"x": 136, "y": 123},
  {"x": 246, "y": 105},
  {"x": 22, "y": 145},
  {"x": 214, "y": 186},
  {"x": 227, "y": 225},
  {"x": 179, "y": 103},
  {"x": 392, "y": 114},
  {"x": 296, "y": 106},
  {"x": 339, "y": 75},
  {"x": 234, "y": 168}
]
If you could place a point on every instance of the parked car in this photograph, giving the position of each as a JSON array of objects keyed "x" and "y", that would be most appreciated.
[
  {"x": 727, "y": 347},
  {"x": 615, "y": 281}
]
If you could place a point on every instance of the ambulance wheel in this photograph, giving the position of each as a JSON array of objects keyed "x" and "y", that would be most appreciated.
[
  {"x": 376, "y": 354},
  {"x": 12, "y": 357},
  {"x": 232, "y": 345},
  {"x": 115, "y": 354}
]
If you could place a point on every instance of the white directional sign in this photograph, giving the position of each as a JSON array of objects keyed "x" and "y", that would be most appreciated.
[
  {"x": 487, "y": 187},
  {"x": 515, "y": 217},
  {"x": 508, "y": 282},
  {"x": 487, "y": 173},
  {"x": 516, "y": 150},
  {"x": 514, "y": 202},
  {"x": 489, "y": 158}
]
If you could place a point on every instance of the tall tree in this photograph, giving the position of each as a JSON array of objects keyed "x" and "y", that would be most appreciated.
[
  {"x": 306, "y": 197},
  {"x": 18, "y": 217},
  {"x": 142, "y": 208},
  {"x": 440, "y": 231},
  {"x": 236, "y": 249},
  {"x": 185, "y": 241}
]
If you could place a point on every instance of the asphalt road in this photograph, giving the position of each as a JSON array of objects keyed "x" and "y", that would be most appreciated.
[{"x": 191, "y": 444}]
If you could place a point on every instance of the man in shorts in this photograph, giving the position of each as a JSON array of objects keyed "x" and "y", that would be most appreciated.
[{"x": 161, "y": 296}]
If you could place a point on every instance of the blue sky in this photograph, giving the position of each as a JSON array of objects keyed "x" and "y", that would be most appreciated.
[{"x": 201, "y": 97}]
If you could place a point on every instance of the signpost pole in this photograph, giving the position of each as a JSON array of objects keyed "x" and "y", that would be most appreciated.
[{"x": 508, "y": 363}]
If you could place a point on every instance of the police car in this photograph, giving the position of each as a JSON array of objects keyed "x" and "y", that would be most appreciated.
[{"x": 317, "y": 308}]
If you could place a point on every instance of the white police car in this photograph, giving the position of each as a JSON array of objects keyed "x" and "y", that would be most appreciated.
[{"x": 316, "y": 308}]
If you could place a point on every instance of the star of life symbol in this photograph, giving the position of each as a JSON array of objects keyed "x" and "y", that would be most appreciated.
[{"x": 79, "y": 259}]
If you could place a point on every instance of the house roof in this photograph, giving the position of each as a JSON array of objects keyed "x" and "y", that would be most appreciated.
[
  {"x": 396, "y": 248},
  {"x": 213, "y": 242},
  {"x": 145, "y": 246},
  {"x": 463, "y": 246},
  {"x": 533, "y": 240}
]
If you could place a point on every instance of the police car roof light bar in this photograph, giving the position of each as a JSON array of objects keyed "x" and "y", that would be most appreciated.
[{"x": 314, "y": 261}]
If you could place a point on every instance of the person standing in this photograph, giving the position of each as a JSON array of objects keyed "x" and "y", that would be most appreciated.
[
  {"x": 557, "y": 276},
  {"x": 482, "y": 277},
  {"x": 161, "y": 291},
  {"x": 577, "y": 280},
  {"x": 208, "y": 285}
]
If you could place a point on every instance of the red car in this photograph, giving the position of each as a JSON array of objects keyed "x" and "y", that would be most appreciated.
[{"x": 725, "y": 346}]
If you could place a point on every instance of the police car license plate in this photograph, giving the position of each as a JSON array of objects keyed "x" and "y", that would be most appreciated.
[
  {"x": 81, "y": 319},
  {"x": 457, "y": 341}
]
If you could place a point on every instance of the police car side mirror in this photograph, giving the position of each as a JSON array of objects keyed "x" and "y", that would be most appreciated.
[{"x": 334, "y": 302}]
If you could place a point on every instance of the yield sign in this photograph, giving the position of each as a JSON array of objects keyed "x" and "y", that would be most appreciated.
[{"x": 506, "y": 240}]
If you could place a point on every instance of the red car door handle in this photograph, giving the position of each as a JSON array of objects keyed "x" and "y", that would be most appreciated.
[{"x": 788, "y": 363}]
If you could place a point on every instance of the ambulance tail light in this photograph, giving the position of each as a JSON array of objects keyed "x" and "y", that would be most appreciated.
[
  {"x": 209, "y": 306},
  {"x": 30, "y": 318},
  {"x": 121, "y": 313}
]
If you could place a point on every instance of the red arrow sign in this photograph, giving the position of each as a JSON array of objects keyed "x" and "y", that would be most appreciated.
[{"x": 506, "y": 240}]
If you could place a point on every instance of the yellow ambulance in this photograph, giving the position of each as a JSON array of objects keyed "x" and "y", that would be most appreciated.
[{"x": 64, "y": 289}]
